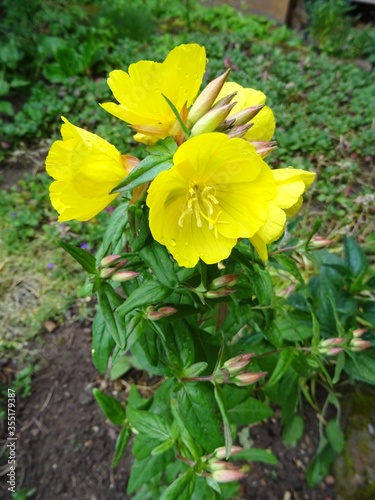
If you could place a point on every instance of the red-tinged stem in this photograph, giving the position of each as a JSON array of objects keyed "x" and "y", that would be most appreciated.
[
  {"x": 207, "y": 378},
  {"x": 285, "y": 249},
  {"x": 186, "y": 460}
]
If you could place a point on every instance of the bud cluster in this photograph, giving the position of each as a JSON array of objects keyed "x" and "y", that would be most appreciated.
[
  {"x": 222, "y": 286},
  {"x": 111, "y": 267},
  {"x": 223, "y": 471},
  {"x": 232, "y": 372},
  {"x": 162, "y": 312},
  {"x": 206, "y": 115},
  {"x": 335, "y": 345}
]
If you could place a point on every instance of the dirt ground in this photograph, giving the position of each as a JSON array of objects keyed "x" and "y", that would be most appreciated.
[{"x": 65, "y": 446}]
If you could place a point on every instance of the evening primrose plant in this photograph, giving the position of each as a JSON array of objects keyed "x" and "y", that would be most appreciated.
[{"x": 183, "y": 290}]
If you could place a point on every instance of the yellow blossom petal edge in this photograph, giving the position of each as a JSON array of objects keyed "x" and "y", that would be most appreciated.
[
  {"x": 290, "y": 185},
  {"x": 140, "y": 91},
  {"x": 264, "y": 122},
  {"x": 86, "y": 168},
  {"x": 218, "y": 190}
]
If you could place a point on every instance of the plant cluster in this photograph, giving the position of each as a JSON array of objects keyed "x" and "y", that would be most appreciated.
[{"x": 183, "y": 291}]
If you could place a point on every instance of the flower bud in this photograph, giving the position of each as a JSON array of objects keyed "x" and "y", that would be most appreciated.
[
  {"x": 264, "y": 148},
  {"x": 124, "y": 275},
  {"x": 245, "y": 115},
  {"x": 211, "y": 120},
  {"x": 226, "y": 476},
  {"x": 224, "y": 100},
  {"x": 226, "y": 280},
  {"x": 334, "y": 341},
  {"x": 247, "y": 378},
  {"x": 239, "y": 131},
  {"x": 334, "y": 351},
  {"x": 357, "y": 345},
  {"x": 358, "y": 332},
  {"x": 221, "y": 452},
  {"x": 221, "y": 465},
  {"x": 107, "y": 272},
  {"x": 235, "y": 365},
  {"x": 110, "y": 260},
  {"x": 217, "y": 294},
  {"x": 206, "y": 98},
  {"x": 319, "y": 242},
  {"x": 163, "y": 312}
]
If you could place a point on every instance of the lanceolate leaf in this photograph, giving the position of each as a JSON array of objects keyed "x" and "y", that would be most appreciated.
[
  {"x": 102, "y": 342},
  {"x": 84, "y": 258},
  {"x": 158, "y": 259},
  {"x": 148, "y": 293},
  {"x": 122, "y": 441},
  {"x": 256, "y": 455},
  {"x": 151, "y": 424},
  {"x": 182, "y": 488},
  {"x": 285, "y": 358},
  {"x": 111, "y": 408},
  {"x": 144, "y": 470},
  {"x": 108, "y": 301}
]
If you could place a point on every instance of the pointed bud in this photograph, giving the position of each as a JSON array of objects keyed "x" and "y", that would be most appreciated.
[
  {"x": 245, "y": 115},
  {"x": 226, "y": 280},
  {"x": 221, "y": 452},
  {"x": 247, "y": 378},
  {"x": 357, "y": 345},
  {"x": 334, "y": 351},
  {"x": 211, "y": 120},
  {"x": 225, "y": 125},
  {"x": 224, "y": 100},
  {"x": 221, "y": 465},
  {"x": 264, "y": 148},
  {"x": 226, "y": 476},
  {"x": 239, "y": 131},
  {"x": 110, "y": 260},
  {"x": 163, "y": 312},
  {"x": 206, "y": 99},
  {"x": 334, "y": 341},
  {"x": 124, "y": 276},
  {"x": 235, "y": 365},
  {"x": 217, "y": 294},
  {"x": 319, "y": 242},
  {"x": 359, "y": 332},
  {"x": 107, "y": 272}
]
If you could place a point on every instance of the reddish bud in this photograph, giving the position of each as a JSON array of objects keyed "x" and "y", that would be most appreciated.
[
  {"x": 226, "y": 280},
  {"x": 245, "y": 115},
  {"x": 247, "y": 378},
  {"x": 320, "y": 242},
  {"x": 334, "y": 351},
  {"x": 359, "y": 332},
  {"x": 221, "y": 452},
  {"x": 357, "y": 345},
  {"x": 235, "y": 365},
  {"x": 227, "y": 476},
  {"x": 107, "y": 272},
  {"x": 163, "y": 312},
  {"x": 264, "y": 148},
  {"x": 217, "y": 294},
  {"x": 239, "y": 131},
  {"x": 110, "y": 260},
  {"x": 124, "y": 275}
]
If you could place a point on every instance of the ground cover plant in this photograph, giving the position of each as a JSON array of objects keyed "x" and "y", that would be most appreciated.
[{"x": 337, "y": 145}]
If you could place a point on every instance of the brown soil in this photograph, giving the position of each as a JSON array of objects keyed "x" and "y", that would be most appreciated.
[{"x": 65, "y": 446}]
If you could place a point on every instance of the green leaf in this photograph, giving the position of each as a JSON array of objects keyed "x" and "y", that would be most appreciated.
[
  {"x": 114, "y": 237},
  {"x": 182, "y": 488},
  {"x": 335, "y": 436},
  {"x": 102, "y": 343},
  {"x": 196, "y": 405},
  {"x": 249, "y": 411},
  {"x": 293, "y": 431},
  {"x": 285, "y": 358},
  {"x": 154, "y": 426},
  {"x": 361, "y": 365},
  {"x": 148, "y": 293},
  {"x": 163, "y": 447},
  {"x": 145, "y": 171},
  {"x": 121, "y": 443},
  {"x": 119, "y": 367},
  {"x": 84, "y": 258},
  {"x": 355, "y": 257},
  {"x": 224, "y": 415},
  {"x": 6, "y": 108},
  {"x": 289, "y": 264},
  {"x": 145, "y": 470},
  {"x": 158, "y": 259},
  {"x": 340, "y": 363},
  {"x": 111, "y": 408},
  {"x": 256, "y": 455},
  {"x": 320, "y": 465},
  {"x": 109, "y": 300}
]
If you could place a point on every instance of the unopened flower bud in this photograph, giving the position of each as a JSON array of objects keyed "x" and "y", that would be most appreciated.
[
  {"x": 124, "y": 275},
  {"x": 238, "y": 132},
  {"x": 334, "y": 341},
  {"x": 357, "y": 345},
  {"x": 247, "y": 378},
  {"x": 206, "y": 98},
  {"x": 245, "y": 115},
  {"x": 264, "y": 148},
  {"x": 221, "y": 452},
  {"x": 227, "y": 476},
  {"x": 358, "y": 332},
  {"x": 235, "y": 365},
  {"x": 226, "y": 280},
  {"x": 163, "y": 312},
  {"x": 110, "y": 260},
  {"x": 224, "y": 100},
  {"x": 107, "y": 272},
  {"x": 211, "y": 120},
  {"x": 319, "y": 242},
  {"x": 217, "y": 294},
  {"x": 334, "y": 351}
]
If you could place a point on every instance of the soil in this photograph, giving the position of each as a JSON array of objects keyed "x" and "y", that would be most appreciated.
[{"x": 65, "y": 446}]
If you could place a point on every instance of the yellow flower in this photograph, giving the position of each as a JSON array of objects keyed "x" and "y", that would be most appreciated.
[
  {"x": 140, "y": 91},
  {"x": 86, "y": 168},
  {"x": 218, "y": 190},
  {"x": 264, "y": 122},
  {"x": 290, "y": 185}
]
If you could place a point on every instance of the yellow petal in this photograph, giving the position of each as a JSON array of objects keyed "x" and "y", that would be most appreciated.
[{"x": 291, "y": 184}]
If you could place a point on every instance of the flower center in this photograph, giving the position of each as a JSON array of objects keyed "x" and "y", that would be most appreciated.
[{"x": 201, "y": 201}]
